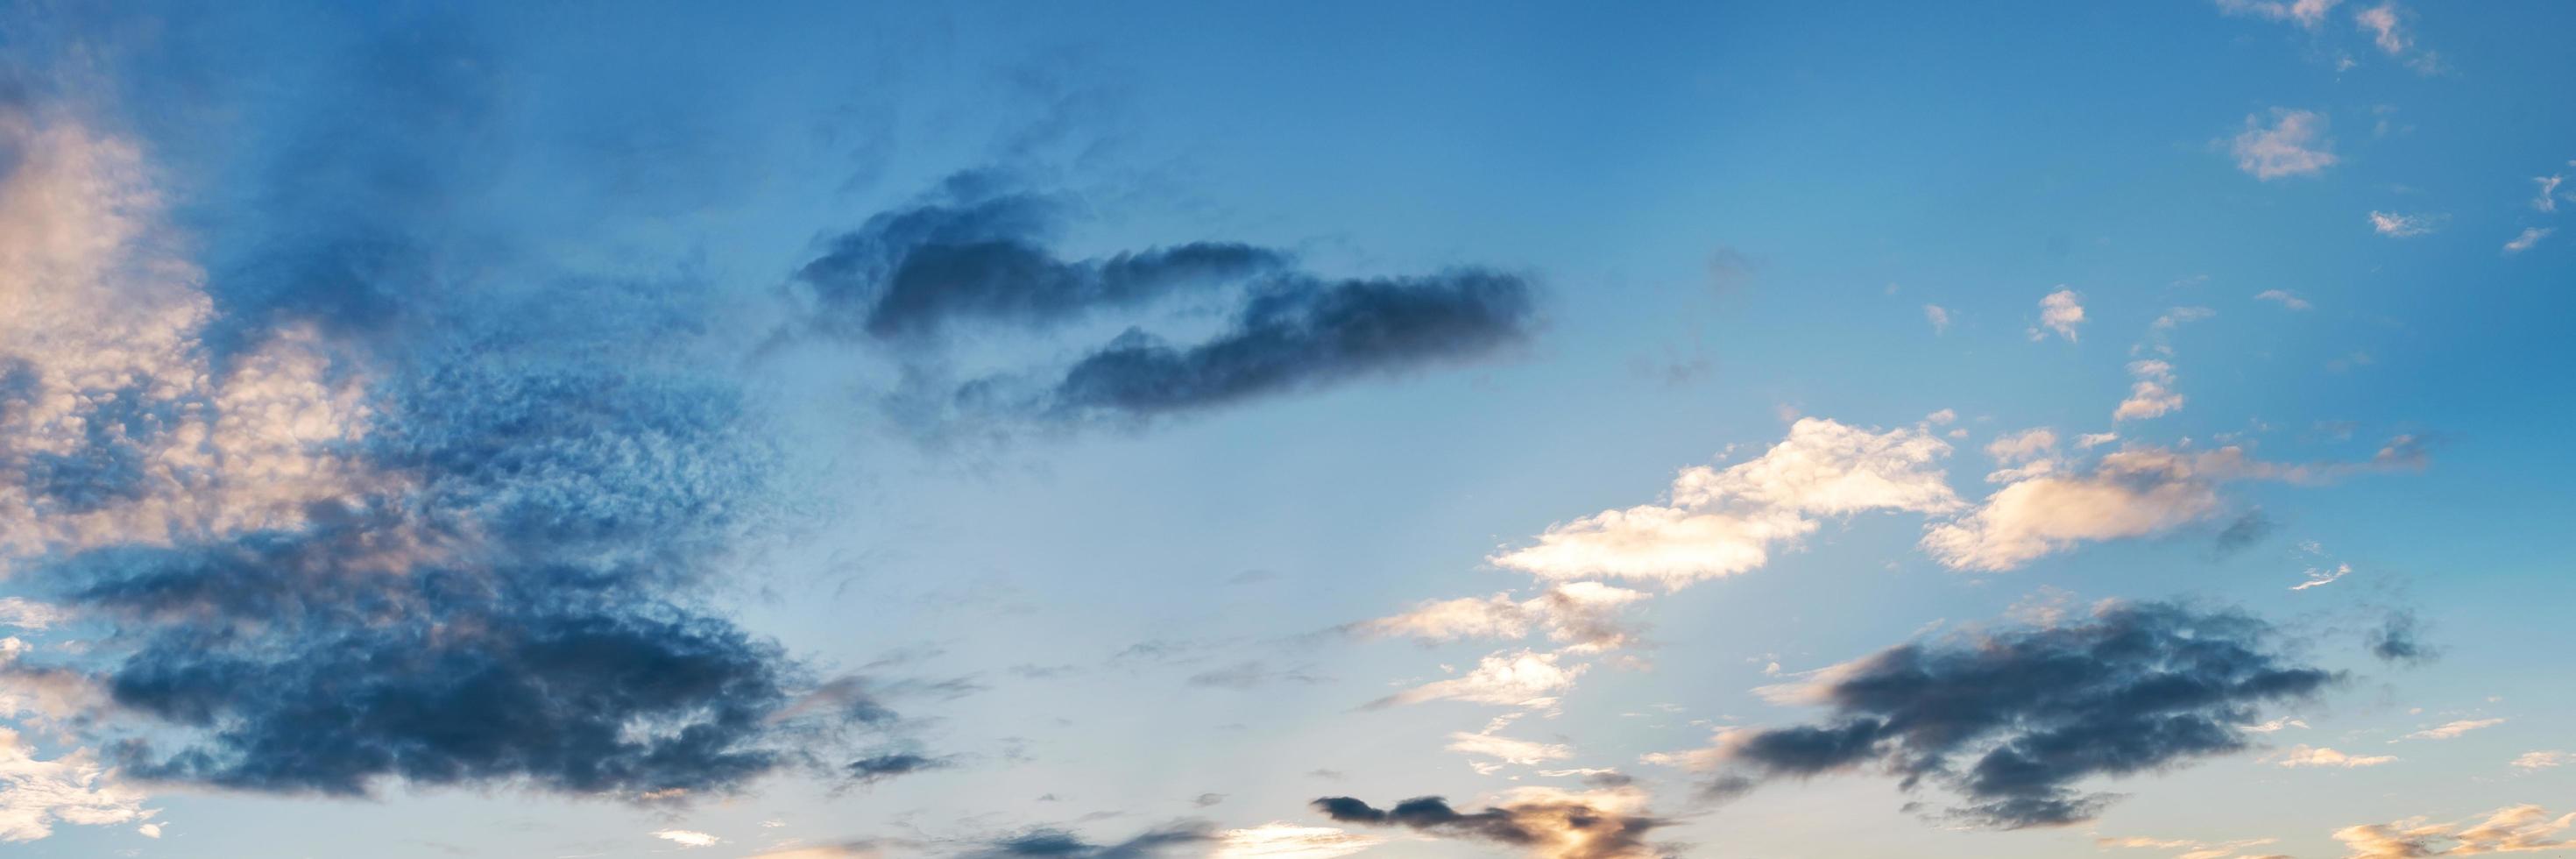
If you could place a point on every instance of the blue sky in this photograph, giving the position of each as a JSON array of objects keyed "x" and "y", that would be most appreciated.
[{"x": 1218, "y": 431}]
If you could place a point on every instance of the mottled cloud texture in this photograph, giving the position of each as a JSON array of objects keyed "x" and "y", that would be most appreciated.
[{"x": 2016, "y": 720}]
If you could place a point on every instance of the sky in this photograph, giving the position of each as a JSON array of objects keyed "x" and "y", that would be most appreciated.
[{"x": 1289, "y": 431}]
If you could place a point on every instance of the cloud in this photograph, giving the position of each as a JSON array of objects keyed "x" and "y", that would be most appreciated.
[
  {"x": 2512, "y": 829},
  {"x": 337, "y": 530},
  {"x": 2190, "y": 849},
  {"x": 2313, "y": 756},
  {"x": 2152, "y": 395},
  {"x": 2244, "y": 533},
  {"x": 1050, "y": 842},
  {"x": 2394, "y": 225},
  {"x": 1506, "y": 749},
  {"x": 686, "y": 838},
  {"x": 1277, "y": 840},
  {"x": 1298, "y": 333},
  {"x": 1542, "y": 823},
  {"x": 2396, "y": 639},
  {"x": 2014, "y": 720},
  {"x": 1582, "y": 615},
  {"x": 2534, "y": 761},
  {"x": 2387, "y": 25},
  {"x": 1719, "y": 522},
  {"x": 75, "y": 789},
  {"x": 978, "y": 252},
  {"x": 2448, "y": 730},
  {"x": 2292, "y": 146},
  {"x": 1525, "y": 678},
  {"x": 879, "y": 767},
  {"x": 2287, "y": 299},
  {"x": 2547, "y": 200},
  {"x": 2130, "y": 493},
  {"x": 2061, "y": 312},
  {"x": 2306, "y": 13},
  {"x": 1939, "y": 317},
  {"x": 2530, "y": 236}
]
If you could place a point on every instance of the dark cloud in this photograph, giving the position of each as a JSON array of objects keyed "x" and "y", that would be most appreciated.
[
  {"x": 1049, "y": 842},
  {"x": 2244, "y": 532},
  {"x": 2013, "y": 720},
  {"x": 1546, "y": 824},
  {"x": 876, "y": 768},
  {"x": 979, "y": 251},
  {"x": 975, "y": 253},
  {"x": 517, "y": 610},
  {"x": 2397, "y": 639},
  {"x": 1298, "y": 333}
]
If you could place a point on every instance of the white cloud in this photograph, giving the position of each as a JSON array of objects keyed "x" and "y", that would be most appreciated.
[
  {"x": 2452, "y": 729},
  {"x": 2533, "y": 761},
  {"x": 1514, "y": 679},
  {"x": 2512, "y": 829},
  {"x": 2190, "y": 849},
  {"x": 23, "y": 613},
  {"x": 2129, "y": 493},
  {"x": 2275, "y": 725},
  {"x": 2287, "y": 298},
  {"x": 148, "y": 830},
  {"x": 1506, "y": 749},
  {"x": 2402, "y": 226},
  {"x": 1939, "y": 317},
  {"x": 2322, "y": 576},
  {"x": 2060, "y": 312},
  {"x": 2292, "y": 146},
  {"x": 1276, "y": 840},
  {"x": 2530, "y": 236},
  {"x": 686, "y": 838},
  {"x": 2152, "y": 395},
  {"x": 2548, "y": 199},
  {"x": 2096, "y": 439},
  {"x": 1581, "y": 614},
  {"x": 1722, "y": 521},
  {"x": 73, "y": 789},
  {"x": 2316, "y": 756},
  {"x": 2306, "y": 13}
]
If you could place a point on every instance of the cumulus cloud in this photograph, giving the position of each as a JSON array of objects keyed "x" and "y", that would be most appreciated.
[
  {"x": 1939, "y": 317},
  {"x": 2533, "y": 761},
  {"x": 2387, "y": 25},
  {"x": 2015, "y": 720},
  {"x": 2315, "y": 756},
  {"x": 2060, "y": 312},
  {"x": 1539, "y": 822},
  {"x": 1723, "y": 521},
  {"x": 978, "y": 251},
  {"x": 75, "y": 789},
  {"x": 2152, "y": 395},
  {"x": 2293, "y": 145},
  {"x": 2530, "y": 236},
  {"x": 2129, "y": 493},
  {"x": 2512, "y": 829},
  {"x": 2399, "y": 226}
]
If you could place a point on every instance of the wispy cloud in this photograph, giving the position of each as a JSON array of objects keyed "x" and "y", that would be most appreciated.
[
  {"x": 2452, "y": 729},
  {"x": 2530, "y": 236},
  {"x": 2293, "y": 145},
  {"x": 2395, "y": 225},
  {"x": 2283, "y": 297}
]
